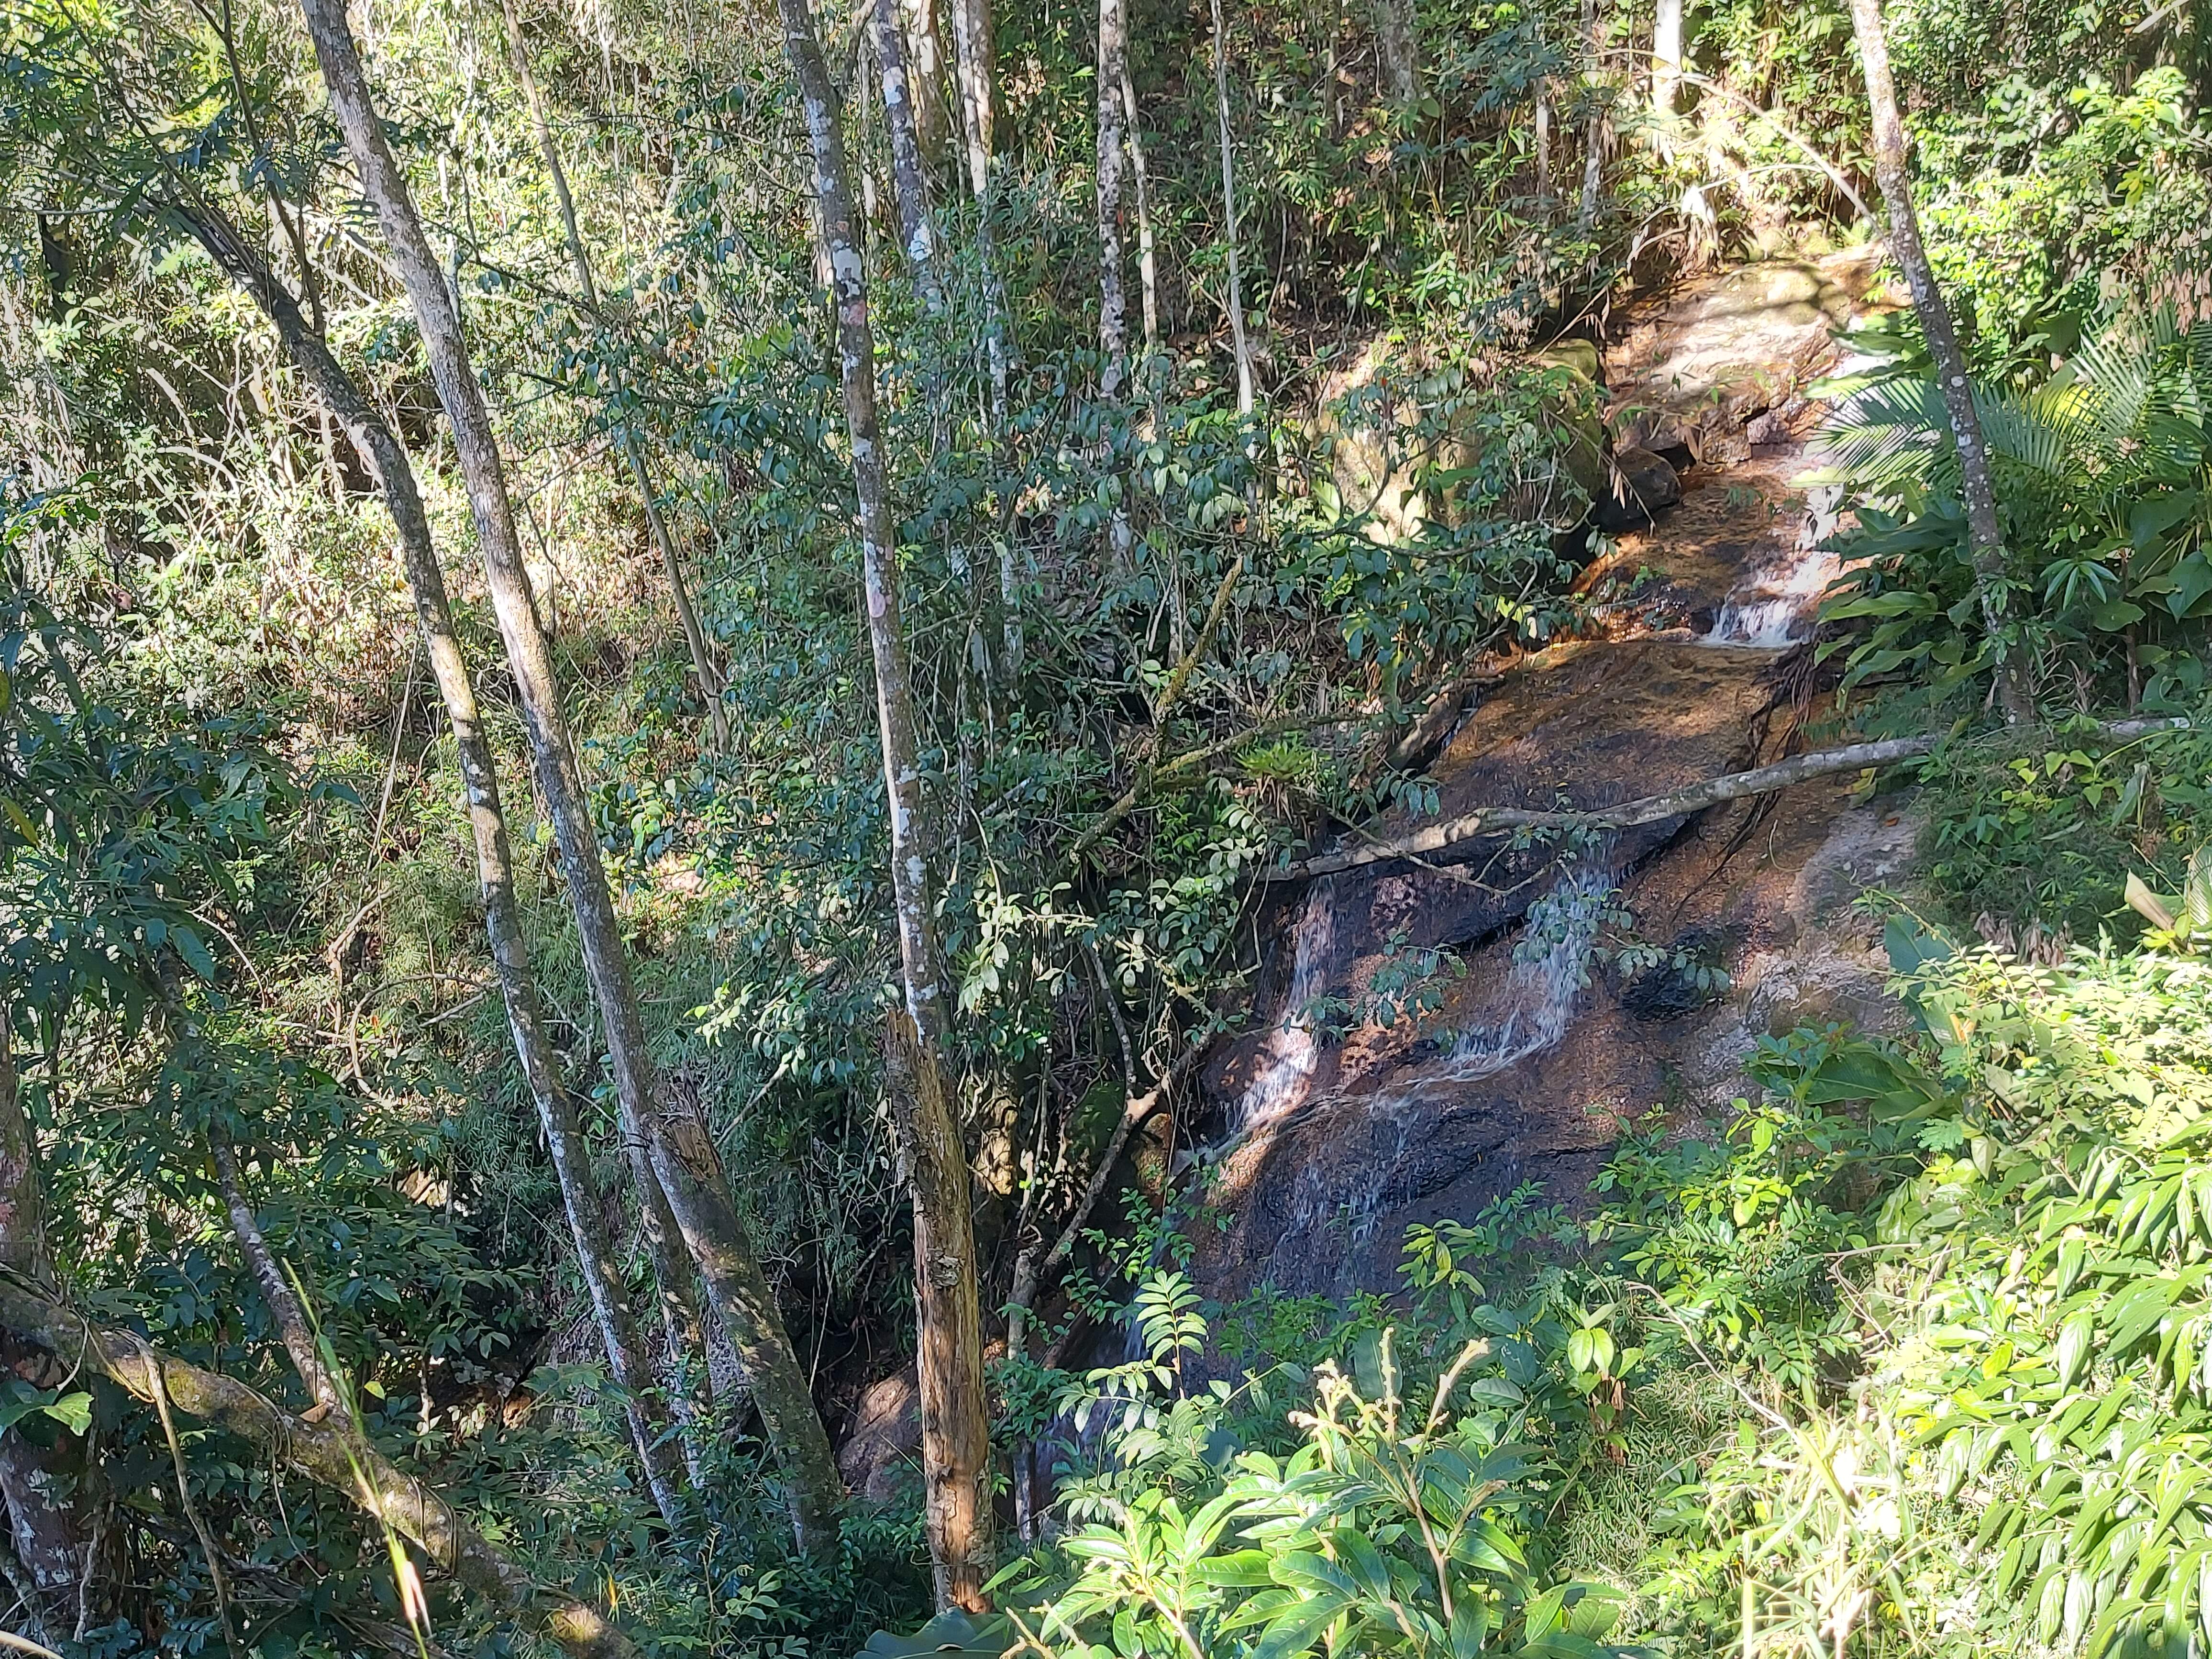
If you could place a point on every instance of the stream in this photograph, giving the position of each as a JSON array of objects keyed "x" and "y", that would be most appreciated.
[{"x": 1340, "y": 1125}]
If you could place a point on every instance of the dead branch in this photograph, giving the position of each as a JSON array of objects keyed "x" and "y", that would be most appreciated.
[
  {"x": 320, "y": 1451},
  {"x": 1651, "y": 809}
]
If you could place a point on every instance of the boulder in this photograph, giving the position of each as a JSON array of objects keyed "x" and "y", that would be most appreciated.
[
  {"x": 1642, "y": 485},
  {"x": 1694, "y": 367},
  {"x": 1385, "y": 418}
]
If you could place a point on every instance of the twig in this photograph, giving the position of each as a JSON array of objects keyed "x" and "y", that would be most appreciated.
[{"x": 1170, "y": 694}]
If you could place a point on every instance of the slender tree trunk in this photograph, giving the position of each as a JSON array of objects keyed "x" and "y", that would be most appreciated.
[
  {"x": 1666, "y": 55},
  {"x": 1544, "y": 149},
  {"x": 976, "y": 65},
  {"x": 1112, "y": 303},
  {"x": 44, "y": 1487},
  {"x": 1593, "y": 123},
  {"x": 814, "y": 1501},
  {"x": 1148, "y": 270},
  {"x": 324, "y": 1451},
  {"x": 386, "y": 460},
  {"x": 923, "y": 54},
  {"x": 277, "y": 1293},
  {"x": 711, "y": 684},
  {"x": 975, "y": 58},
  {"x": 1238, "y": 342},
  {"x": 971, "y": 41},
  {"x": 1397, "y": 44},
  {"x": 906, "y": 171},
  {"x": 956, "y": 1446},
  {"x": 1985, "y": 534}
]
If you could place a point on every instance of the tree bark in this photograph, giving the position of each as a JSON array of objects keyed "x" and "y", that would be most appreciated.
[
  {"x": 906, "y": 172},
  {"x": 1593, "y": 123},
  {"x": 43, "y": 1487},
  {"x": 975, "y": 62},
  {"x": 1544, "y": 149},
  {"x": 322, "y": 1450},
  {"x": 1666, "y": 55},
  {"x": 1148, "y": 270},
  {"x": 1397, "y": 45},
  {"x": 1984, "y": 533},
  {"x": 923, "y": 53},
  {"x": 956, "y": 1446},
  {"x": 972, "y": 51},
  {"x": 560, "y": 784},
  {"x": 1112, "y": 117},
  {"x": 386, "y": 461},
  {"x": 712, "y": 687},
  {"x": 1238, "y": 342}
]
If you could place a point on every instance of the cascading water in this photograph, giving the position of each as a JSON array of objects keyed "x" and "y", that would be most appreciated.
[
  {"x": 1550, "y": 969},
  {"x": 1292, "y": 1050},
  {"x": 1774, "y": 607}
]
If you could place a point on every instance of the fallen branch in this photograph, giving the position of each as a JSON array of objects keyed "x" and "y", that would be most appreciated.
[
  {"x": 1032, "y": 1275},
  {"x": 1170, "y": 694},
  {"x": 319, "y": 1450},
  {"x": 1680, "y": 803}
]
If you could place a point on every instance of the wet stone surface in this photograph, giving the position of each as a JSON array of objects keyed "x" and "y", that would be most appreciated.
[{"x": 1336, "y": 1127}]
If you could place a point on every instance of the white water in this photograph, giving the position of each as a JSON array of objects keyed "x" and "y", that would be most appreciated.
[
  {"x": 1292, "y": 1052},
  {"x": 1774, "y": 606},
  {"x": 1550, "y": 969},
  {"x": 1541, "y": 993}
]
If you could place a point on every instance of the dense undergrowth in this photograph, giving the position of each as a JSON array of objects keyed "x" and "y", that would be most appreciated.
[{"x": 1906, "y": 1356}]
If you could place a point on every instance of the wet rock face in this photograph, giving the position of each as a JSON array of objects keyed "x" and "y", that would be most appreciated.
[
  {"x": 1365, "y": 1098},
  {"x": 1691, "y": 371}
]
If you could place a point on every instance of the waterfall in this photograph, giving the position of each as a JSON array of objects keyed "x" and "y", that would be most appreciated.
[
  {"x": 1292, "y": 1050},
  {"x": 1774, "y": 606}
]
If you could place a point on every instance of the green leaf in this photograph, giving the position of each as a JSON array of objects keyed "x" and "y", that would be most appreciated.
[
  {"x": 2192, "y": 584},
  {"x": 2073, "y": 1349},
  {"x": 73, "y": 1411},
  {"x": 1294, "y": 1630},
  {"x": 193, "y": 951}
]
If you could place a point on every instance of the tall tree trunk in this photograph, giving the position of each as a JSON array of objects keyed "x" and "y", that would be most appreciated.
[
  {"x": 1985, "y": 534},
  {"x": 44, "y": 1487},
  {"x": 1238, "y": 342},
  {"x": 1544, "y": 149},
  {"x": 1593, "y": 122},
  {"x": 1148, "y": 270},
  {"x": 1397, "y": 45},
  {"x": 906, "y": 171},
  {"x": 972, "y": 51},
  {"x": 956, "y": 1445},
  {"x": 975, "y": 68},
  {"x": 321, "y": 1451},
  {"x": 1113, "y": 304},
  {"x": 711, "y": 686},
  {"x": 386, "y": 461},
  {"x": 685, "y": 1330},
  {"x": 935, "y": 128},
  {"x": 1666, "y": 55},
  {"x": 804, "y": 1455}
]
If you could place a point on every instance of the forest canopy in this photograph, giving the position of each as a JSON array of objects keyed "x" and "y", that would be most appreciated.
[{"x": 680, "y": 684}]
